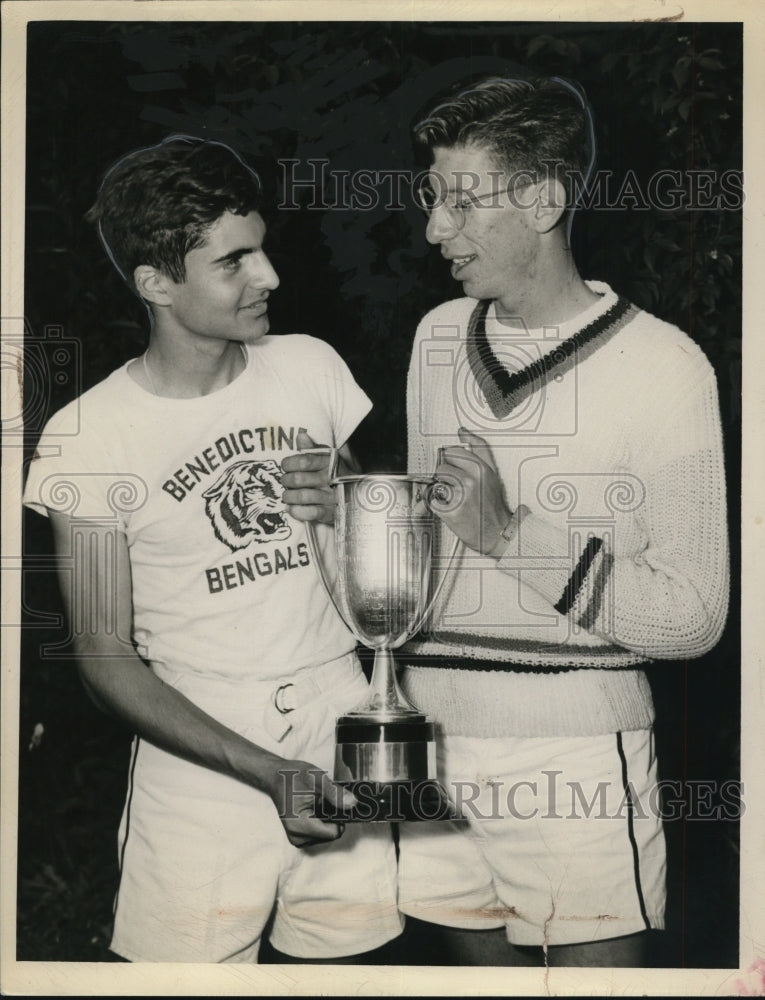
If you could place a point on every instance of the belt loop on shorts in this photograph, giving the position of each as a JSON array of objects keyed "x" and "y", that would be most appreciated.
[
  {"x": 276, "y": 725},
  {"x": 281, "y": 700},
  {"x": 325, "y": 677},
  {"x": 294, "y": 695}
]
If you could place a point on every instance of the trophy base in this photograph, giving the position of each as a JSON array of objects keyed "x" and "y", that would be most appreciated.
[
  {"x": 388, "y": 760},
  {"x": 384, "y": 750},
  {"x": 396, "y": 802}
]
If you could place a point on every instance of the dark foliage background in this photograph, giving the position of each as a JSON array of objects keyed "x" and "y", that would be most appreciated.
[{"x": 666, "y": 97}]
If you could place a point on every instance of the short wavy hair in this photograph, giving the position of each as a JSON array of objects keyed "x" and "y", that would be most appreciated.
[
  {"x": 531, "y": 126},
  {"x": 156, "y": 204}
]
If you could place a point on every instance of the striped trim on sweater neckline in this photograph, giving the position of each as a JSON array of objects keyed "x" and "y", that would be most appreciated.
[{"x": 504, "y": 389}]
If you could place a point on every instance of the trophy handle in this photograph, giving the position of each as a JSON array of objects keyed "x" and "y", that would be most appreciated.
[
  {"x": 313, "y": 541},
  {"x": 313, "y": 545},
  {"x": 437, "y": 589},
  {"x": 334, "y": 459},
  {"x": 429, "y": 490}
]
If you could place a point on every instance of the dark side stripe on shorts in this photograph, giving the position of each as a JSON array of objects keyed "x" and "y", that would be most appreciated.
[
  {"x": 128, "y": 806},
  {"x": 631, "y": 830}
]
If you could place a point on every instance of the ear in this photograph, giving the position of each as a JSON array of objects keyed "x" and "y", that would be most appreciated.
[
  {"x": 550, "y": 205},
  {"x": 152, "y": 285}
]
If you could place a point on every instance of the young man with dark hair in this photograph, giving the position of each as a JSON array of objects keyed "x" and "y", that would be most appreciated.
[
  {"x": 197, "y": 616},
  {"x": 582, "y": 440}
]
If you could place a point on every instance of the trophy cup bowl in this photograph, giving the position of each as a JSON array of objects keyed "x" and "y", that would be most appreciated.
[{"x": 384, "y": 534}]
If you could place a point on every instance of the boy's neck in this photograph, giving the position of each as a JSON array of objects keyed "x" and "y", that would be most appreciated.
[
  {"x": 185, "y": 371},
  {"x": 556, "y": 295}
]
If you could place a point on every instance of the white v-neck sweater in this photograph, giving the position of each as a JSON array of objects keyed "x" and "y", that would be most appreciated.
[{"x": 606, "y": 434}]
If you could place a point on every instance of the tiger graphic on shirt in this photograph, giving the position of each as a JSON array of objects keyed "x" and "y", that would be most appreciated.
[{"x": 245, "y": 504}]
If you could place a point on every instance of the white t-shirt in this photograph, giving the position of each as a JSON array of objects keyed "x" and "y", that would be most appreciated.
[{"x": 223, "y": 578}]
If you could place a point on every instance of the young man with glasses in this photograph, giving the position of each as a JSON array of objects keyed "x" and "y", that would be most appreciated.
[{"x": 582, "y": 443}]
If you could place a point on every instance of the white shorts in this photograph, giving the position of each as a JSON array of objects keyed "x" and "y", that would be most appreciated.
[
  {"x": 204, "y": 858},
  {"x": 563, "y": 842}
]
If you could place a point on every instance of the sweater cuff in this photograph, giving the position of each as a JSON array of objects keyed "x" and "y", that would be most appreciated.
[{"x": 571, "y": 572}]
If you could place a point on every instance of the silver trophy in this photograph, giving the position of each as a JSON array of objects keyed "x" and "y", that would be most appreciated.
[{"x": 383, "y": 590}]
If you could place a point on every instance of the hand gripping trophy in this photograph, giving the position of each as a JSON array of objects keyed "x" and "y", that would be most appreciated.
[{"x": 384, "y": 533}]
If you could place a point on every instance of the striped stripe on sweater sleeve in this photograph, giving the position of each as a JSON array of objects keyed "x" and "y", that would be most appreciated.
[
  {"x": 575, "y": 584},
  {"x": 586, "y": 585}
]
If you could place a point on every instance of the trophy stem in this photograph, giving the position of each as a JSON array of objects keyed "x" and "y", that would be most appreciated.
[{"x": 385, "y": 696}]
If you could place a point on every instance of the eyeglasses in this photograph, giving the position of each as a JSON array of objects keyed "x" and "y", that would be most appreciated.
[{"x": 457, "y": 205}]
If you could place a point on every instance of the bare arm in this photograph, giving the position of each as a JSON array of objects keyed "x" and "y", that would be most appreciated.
[{"x": 94, "y": 574}]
